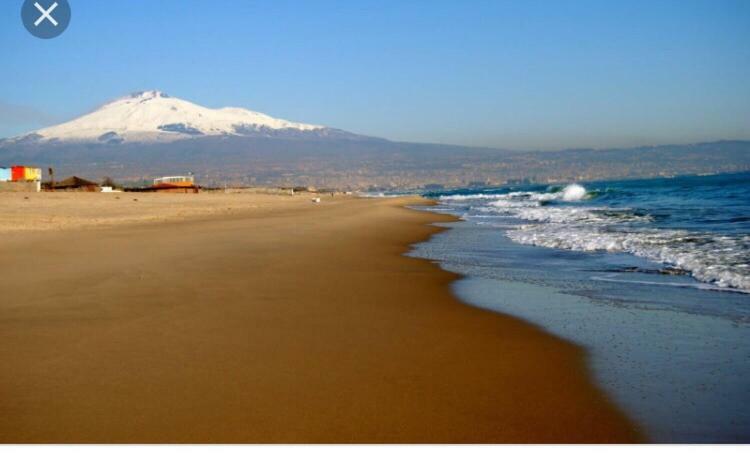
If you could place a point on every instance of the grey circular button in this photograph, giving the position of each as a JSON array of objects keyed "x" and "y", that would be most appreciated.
[{"x": 45, "y": 18}]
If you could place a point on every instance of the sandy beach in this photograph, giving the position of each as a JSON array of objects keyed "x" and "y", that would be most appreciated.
[{"x": 257, "y": 318}]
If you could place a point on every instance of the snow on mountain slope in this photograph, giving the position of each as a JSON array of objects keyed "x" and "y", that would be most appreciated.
[{"x": 154, "y": 116}]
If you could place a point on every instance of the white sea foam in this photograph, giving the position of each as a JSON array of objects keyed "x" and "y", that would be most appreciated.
[
  {"x": 477, "y": 196},
  {"x": 708, "y": 258},
  {"x": 552, "y": 222},
  {"x": 573, "y": 192}
]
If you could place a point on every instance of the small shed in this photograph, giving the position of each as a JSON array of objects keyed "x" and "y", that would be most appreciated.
[
  {"x": 20, "y": 179},
  {"x": 175, "y": 184},
  {"x": 32, "y": 174},
  {"x": 73, "y": 183},
  {"x": 17, "y": 173},
  {"x": 20, "y": 174}
]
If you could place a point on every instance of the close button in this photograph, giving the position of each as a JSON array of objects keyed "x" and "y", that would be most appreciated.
[{"x": 45, "y": 18}]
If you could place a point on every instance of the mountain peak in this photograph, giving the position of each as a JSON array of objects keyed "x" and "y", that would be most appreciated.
[
  {"x": 154, "y": 116},
  {"x": 150, "y": 94}
]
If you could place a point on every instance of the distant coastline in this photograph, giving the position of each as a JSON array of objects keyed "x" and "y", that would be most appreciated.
[{"x": 240, "y": 147}]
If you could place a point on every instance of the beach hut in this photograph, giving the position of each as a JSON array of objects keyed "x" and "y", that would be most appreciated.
[
  {"x": 17, "y": 173},
  {"x": 74, "y": 183},
  {"x": 32, "y": 174},
  {"x": 174, "y": 181},
  {"x": 20, "y": 179},
  {"x": 175, "y": 184}
]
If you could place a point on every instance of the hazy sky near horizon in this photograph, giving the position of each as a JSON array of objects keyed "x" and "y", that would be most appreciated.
[{"x": 515, "y": 74}]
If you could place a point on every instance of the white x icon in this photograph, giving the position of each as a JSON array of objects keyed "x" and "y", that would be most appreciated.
[{"x": 45, "y": 14}]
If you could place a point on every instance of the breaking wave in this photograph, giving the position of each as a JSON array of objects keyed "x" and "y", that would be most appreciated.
[
  {"x": 563, "y": 219},
  {"x": 709, "y": 258},
  {"x": 573, "y": 192}
]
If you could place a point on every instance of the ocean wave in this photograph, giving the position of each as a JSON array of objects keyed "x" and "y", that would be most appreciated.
[
  {"x": 476, "y": 196},
  {"x": 573, "y": 192},
  {"x": 594, "y": 216},
  {"x": 534, "y": 206},
  {"x": 721, "y": 260},
  {"x": 567, "y": 218},
  {"x": 569, "y": 193}
]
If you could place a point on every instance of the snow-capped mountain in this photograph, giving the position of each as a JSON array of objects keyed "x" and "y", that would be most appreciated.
[
  {"x": 150, "y": 134},
  {"x": 153, "y": 116}
]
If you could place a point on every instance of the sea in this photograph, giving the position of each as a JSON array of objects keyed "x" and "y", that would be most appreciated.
[{"x": 650, "y": 277}]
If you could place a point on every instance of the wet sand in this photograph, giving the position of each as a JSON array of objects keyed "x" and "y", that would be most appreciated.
[{"x": 283, "y": 322}]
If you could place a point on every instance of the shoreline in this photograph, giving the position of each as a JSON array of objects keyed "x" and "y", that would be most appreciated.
[
  {"x": 654, "y": 351},
  {"x": 294, "y": 323}
]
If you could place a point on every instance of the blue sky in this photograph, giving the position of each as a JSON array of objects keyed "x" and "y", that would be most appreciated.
[{"x": 521, "y": 74}]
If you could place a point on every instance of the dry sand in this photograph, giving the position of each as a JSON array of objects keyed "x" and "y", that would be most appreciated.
[
  {"x": 67, "y": 210},
  {"x": 280, "y": 321}
]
